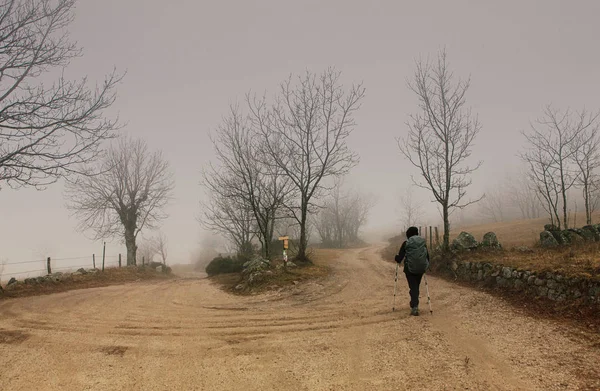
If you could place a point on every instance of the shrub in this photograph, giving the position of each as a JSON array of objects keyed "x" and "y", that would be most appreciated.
[{"x": 222, "y": 265}]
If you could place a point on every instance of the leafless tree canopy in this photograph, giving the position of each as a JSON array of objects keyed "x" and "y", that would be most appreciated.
[
  {"x": 411, "y": 209},
  {"x": 494, "y": 204},
  {"x": 305, "y": 134},
  {"x": 46, "y": 132},
  {"x": 555, "y": 143},
  {"x": 440, "y": 136},
  {"x": 125, "y": 194},
  {"x": 342, "y": 216}
]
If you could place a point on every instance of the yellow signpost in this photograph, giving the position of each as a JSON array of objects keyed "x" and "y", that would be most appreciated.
[{"x": 285, "y": 240}]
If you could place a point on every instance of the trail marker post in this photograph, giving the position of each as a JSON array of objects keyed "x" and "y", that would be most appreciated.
[{"x": 285, "y": 240}]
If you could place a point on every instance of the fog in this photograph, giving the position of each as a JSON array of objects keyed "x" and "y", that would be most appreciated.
[{"x": 187, "y": 61}]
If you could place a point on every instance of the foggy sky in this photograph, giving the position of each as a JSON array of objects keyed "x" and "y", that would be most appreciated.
[{"x": 186, "y": 61}]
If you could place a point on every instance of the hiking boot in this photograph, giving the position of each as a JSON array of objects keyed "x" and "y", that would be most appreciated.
[{"x": 414, "y": 311}]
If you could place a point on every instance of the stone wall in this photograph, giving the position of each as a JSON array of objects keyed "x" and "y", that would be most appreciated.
[{"x": 553, "y": 286}]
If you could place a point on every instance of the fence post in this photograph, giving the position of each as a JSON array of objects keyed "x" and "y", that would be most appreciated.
[
  {"x": 49, "y": 267},
  {"x": 119, "y": 260},
  {"x": 94, "y": 260},
  {"x": 437, "y": 236},
  {"x": 103, "y": 255},
  {"x": 420, "y": 231},
  {"x": 143, "y": 260},
  {"x": 430, "y": 237}
]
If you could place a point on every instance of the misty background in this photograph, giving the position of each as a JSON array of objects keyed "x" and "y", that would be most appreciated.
[{"x": 186, "y": 62}]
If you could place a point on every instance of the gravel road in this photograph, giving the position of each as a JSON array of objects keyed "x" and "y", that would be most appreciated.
[{"x": 336, "y": 334}]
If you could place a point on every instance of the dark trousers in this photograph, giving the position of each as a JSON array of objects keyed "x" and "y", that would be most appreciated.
[{"x": 414, "y": 281}]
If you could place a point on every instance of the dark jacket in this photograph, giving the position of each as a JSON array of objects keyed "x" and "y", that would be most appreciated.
[{"x": 402, "y": 254}]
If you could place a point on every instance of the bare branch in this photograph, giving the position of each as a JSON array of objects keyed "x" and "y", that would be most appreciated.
[{"x": 46, "y": 132}]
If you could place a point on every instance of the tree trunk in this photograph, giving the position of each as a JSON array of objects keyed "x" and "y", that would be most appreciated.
[
  {"x": 303, "y": 237},
  {"x": 131, "y": 246},
  {"x": 586, "y": 197},
  {"x": 446, "y": 241}
]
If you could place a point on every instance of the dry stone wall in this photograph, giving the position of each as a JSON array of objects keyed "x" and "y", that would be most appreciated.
[{"x": 553, "y": 286}]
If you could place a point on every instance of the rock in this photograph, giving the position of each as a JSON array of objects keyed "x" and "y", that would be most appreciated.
[
  {"x": 464, "y": 241},
  {"x": 573, "y": 237},
  {"x": 506, "y": 272},
  {"x": 467, "y": 265},
  {"x": 291, "y": 264},
  {"x": 539, "y": 282},
  {"x": 454, "y": 266},
  {"x": 552, "y": 294},
  {"x": 480, "y": 275},
  {"x": 577, "y": 294},
  {"x": 12, "y": 281},
  {"x": 78, "y": 273},
  {"x": 531, "y": 280},
  {"x": 82, "y": 271},
  {"x": 500, "y": 281},
  {"x": 41, "y": 279},
  {"x": 551, "y": 228},
  {"x": 255, "y": 265},
  {"x": 490, "y": 240},
  {"x": 92, "y": 271},
  {"x": 30, "y": 281},
  {"x": 159, "y": 269},
  {"x": 542, "y": 291},
  {"x": 551, "y": 284},
  {"x": 592, "y": 231},
  {"x": 523, "y": 249},
  {"x": 548, "y": 240},
  {"x": 560, "y": 237},
  {"x": 519, "y": 285},
  {"x": 239, "y": 287}
]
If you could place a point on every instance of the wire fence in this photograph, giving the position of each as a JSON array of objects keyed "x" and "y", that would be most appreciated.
[{"x": 40, "y": 267}]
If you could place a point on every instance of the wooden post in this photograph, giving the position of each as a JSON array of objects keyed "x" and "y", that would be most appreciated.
[
  {"x": 49, "y": 267},
  {"x": 420, "y": 231},
  {"x": 430, "y": 237},
  {"x": 103, "y": 255},
  {"x": 143, "y": 260},
  {"x": 437, "y": 237},
  {"x": 119, "y": 260},
  {"x": 94, "y": 260}
]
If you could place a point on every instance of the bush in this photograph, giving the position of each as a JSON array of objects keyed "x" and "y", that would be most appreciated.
[{"x": 222, "y": 265}]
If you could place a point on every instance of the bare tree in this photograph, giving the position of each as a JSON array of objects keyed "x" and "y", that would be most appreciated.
[
  {"x": 542, "y": 176},
  {"x": 46, "y": 132},
  {"x": 146, "y": 251},
  {"x": 244, "y": 175},
  {"x": 411, "y": 209},
  {"x": 552, "y": 146},
  {"x": 523, "y": 195},
  {"x": 586, "y": 155},
  {"x": 440, "y": 137},
  {"x": 493, "y": 204},
  {"x": 125, "y": 194},
  {"x": 228, "y": 216},
  {"x": 341, "y": 217},
  {"x": 305, "y": 135},
  {"x": 161, "y": 246}
]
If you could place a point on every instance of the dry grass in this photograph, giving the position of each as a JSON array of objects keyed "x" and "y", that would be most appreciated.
[
  {"x": 510, "y": 234},
  {"x": 574, "y": 261}
]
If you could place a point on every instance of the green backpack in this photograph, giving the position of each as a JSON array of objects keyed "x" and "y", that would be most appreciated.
[{"x": 416, "y": 255}]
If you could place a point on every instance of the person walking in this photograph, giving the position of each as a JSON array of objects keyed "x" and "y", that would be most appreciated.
[{"x": 416, "y": 261}]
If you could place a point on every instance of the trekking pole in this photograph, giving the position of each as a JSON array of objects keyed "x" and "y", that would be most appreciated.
[
  {"x": 395, "y": 283},
  {"x": 428, "y": 299}
]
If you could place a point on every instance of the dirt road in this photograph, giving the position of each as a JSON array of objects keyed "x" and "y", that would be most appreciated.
[{"x": 339, "y": 334}]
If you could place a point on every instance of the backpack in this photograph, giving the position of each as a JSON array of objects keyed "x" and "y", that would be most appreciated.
[{"x": 416, "y": 255}]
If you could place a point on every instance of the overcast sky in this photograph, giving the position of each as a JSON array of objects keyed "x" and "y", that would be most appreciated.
[{"x": 186, "y": 61}]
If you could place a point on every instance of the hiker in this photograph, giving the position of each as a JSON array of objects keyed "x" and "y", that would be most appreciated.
[{"x": 416, "y": 262}]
